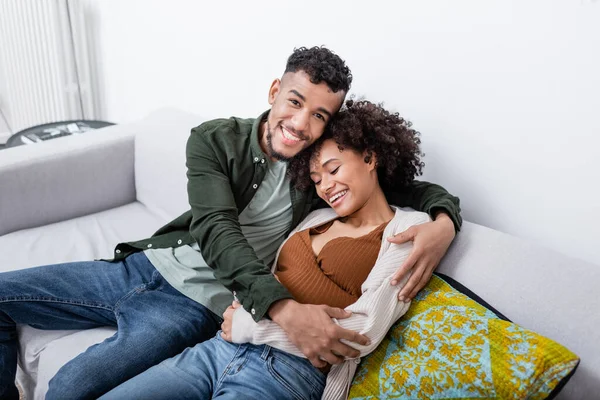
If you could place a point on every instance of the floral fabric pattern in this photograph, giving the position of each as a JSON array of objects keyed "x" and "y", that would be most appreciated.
[{"x": 447, "y": 346}]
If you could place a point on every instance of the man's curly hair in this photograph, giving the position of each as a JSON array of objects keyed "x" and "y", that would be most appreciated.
[
  {"x": 366, "y": 127},
  {"x": 321, "y": 65}
]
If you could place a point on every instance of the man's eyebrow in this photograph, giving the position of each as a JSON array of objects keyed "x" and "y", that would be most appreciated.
[
  {"x": 297, "y": 93},
  {"x": 324, "y": 111}
]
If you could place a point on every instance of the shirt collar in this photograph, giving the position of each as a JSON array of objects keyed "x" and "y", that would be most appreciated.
[{"x": 258, "y": 156}]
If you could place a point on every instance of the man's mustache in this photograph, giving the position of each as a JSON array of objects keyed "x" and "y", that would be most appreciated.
[{"x": 296, "y": 133}]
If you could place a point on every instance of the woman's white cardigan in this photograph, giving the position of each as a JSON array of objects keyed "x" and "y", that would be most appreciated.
[{"x": 373, "y": 314}]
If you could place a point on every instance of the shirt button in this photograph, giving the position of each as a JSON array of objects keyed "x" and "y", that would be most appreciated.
[
  {"x": 118, "y": 251},
  {"x": 149, "y": 245},
  {"x": 253, "y": 311},
  {"x": 255, "y": 159},
  {"x": 255, "y": 186},
  {"x": 262, "y": 161},
  {"x": 179, "y": 241}
]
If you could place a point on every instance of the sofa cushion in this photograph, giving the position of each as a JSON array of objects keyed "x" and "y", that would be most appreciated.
[
  {"x": 90, "y": 237},
  {"x": 449, "y": 346},
  {"x": 94, "y": 236}
]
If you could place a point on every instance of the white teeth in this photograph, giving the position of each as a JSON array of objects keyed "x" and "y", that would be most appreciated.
[
  {"x": 337, "y": 196},
  {"x": 288, "y": 135}
]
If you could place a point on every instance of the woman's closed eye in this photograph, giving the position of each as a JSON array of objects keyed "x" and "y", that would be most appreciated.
[{"x": 332, "y": 172}]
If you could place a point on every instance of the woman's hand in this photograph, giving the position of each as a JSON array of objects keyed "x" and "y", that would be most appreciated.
[
  {"x": 430, "y": 243},
  {"x": 227, "y": 324}
]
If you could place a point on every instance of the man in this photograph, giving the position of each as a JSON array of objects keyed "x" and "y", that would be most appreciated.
[{"x": 166, "y": 293}]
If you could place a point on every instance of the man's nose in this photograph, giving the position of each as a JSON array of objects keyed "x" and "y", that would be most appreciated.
[{"x": 300, "y": 120}]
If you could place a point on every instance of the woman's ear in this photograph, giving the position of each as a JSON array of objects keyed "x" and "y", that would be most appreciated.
[{"x": 370, "y": 159}]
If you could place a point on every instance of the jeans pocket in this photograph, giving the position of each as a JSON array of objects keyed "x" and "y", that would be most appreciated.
[{"x": 301, "y": 381}]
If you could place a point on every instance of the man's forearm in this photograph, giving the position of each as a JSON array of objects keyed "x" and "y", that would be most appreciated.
[
  {"x": 281, "y": 309},
  {"x": 443, "y": 218}
]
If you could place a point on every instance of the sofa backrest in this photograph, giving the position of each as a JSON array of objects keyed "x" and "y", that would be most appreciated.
[
  {"x": 160, "y": 171},
  {"x": 66, "y": 178}
]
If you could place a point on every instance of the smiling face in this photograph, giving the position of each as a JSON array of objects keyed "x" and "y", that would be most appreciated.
[
  {"x": 342, "y": 178},
  {"x": 299, "y": 113}
]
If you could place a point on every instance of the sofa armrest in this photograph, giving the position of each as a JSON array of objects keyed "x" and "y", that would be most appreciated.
[{"x": 66, "y": 178}]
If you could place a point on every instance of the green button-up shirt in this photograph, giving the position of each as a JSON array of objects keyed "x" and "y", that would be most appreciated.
[{"x": 225, "y": 168}]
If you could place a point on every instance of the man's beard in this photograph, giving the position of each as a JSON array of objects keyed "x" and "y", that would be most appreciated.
[{"x": 272, "y": 152}]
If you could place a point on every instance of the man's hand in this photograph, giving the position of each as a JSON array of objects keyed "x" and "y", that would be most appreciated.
[
  {"x": 228, "y": 321},
  {"x": 430, "y": 242},
  {"x": 311, "y": 329}
]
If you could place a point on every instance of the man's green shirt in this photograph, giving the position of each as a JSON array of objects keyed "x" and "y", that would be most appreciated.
[{"x": 225, "y": 168}]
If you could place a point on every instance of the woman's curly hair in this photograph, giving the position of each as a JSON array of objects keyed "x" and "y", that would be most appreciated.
[{"x": 367, "y": 127}]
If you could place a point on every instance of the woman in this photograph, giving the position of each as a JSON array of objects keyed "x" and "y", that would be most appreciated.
[{"x": 337, "y": 256}]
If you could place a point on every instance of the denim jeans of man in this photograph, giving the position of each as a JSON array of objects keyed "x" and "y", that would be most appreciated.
[
  {"x": 225, "y": 371},
  {"x": 154, "y": 321}
]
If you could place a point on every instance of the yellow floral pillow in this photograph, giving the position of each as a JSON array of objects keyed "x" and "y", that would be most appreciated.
[{"x": 448, "y": 346}]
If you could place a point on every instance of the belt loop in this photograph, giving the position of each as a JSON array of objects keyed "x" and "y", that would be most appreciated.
[{"x": 265, "y": 353}]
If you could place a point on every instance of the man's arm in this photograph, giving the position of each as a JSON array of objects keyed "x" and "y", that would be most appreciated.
[
  {"x": 372, "y": 314},
  {"x": 432, "y": 240},
  {"x": 215, "y": 224},
  {"x": 428, "y": 198},
  {"x": 310, "y": 327}
]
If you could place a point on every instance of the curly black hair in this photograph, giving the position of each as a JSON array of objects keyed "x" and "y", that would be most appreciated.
[
  {"x": 321, "y": 65},
  {"x": 367, "y": 127}
]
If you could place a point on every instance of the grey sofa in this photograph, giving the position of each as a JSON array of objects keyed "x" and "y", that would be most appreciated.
[{"x": 74, "y": 198}]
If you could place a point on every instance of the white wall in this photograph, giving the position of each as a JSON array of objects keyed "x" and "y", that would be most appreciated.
[{"x": 505, "y": 93}]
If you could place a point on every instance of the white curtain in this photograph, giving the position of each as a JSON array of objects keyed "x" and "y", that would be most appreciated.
[{"x": 46, "y": 74}]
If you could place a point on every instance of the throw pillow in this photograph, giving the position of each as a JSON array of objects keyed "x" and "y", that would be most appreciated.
[{"x": 448, "y": 346}]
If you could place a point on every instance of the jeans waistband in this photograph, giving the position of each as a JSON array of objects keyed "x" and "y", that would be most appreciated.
[{"x": 266, "y": 352}]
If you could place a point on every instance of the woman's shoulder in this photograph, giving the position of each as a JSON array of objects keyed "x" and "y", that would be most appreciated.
[{"x": 317, "y": 217}]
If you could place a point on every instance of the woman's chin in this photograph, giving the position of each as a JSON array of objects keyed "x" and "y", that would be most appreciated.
[{"x": 342, "y": 212}]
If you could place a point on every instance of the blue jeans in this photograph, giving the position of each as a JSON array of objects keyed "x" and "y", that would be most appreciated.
[
  {"x": 221, "y": 370},
  {"x": 154, "y": 321}
]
